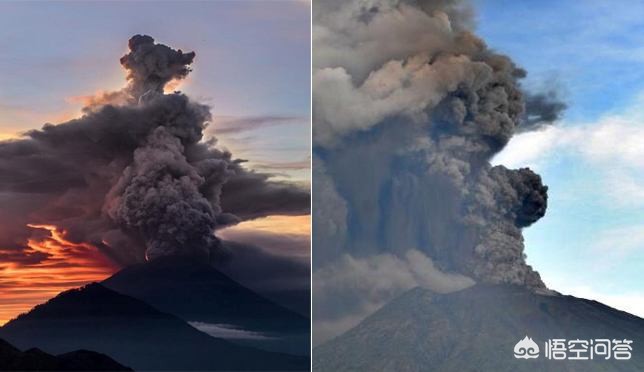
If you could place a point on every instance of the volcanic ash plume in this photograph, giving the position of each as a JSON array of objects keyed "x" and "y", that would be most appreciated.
[
  {"x": 133, "y": 175},
  {"x": 151, "y": 66},
  {"x": 159, "y": 195},
  {"x": 409, "y": 106}
]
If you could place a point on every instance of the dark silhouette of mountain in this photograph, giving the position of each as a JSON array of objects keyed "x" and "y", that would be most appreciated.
[
  {"x": 197, "y": 292},
  {"x": 476, "y": 330},
  {"x": 134, "y": 333},
  {"x": 12, "y": 359},
  {"x": 283, "y": 280}
]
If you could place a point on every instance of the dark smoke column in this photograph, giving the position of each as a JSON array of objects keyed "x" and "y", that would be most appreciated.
[
  {"x": 409, "y": 107},
  {"x": 159, "y": 194}
]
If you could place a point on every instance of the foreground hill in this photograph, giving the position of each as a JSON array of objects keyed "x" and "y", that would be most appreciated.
[
  {"x": 476, "y": 330},
  {"x": 134, "y": 333},
  {"x": 197, "y": 292},
  {"x": 12, "y": 359}
]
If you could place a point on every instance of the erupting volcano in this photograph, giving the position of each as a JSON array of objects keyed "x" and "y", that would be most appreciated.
[
  {"x": 133, "y": 182},
  {"x": 417, "y": 237}
]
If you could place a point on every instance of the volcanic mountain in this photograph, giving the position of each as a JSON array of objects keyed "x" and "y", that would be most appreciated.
[
  {"x": 12, "y": 359},
  {"x": 134, "y": 333},
  {"x": 476, "y": 329},
  {"x": 200, "y": 294}
]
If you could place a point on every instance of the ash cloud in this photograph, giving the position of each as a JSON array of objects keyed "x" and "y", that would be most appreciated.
[
  {"x": 541, "y": 109},
  {"x": 132, "y": 175},
  {"x": 151, "y": 66},
  {"x": 409, "y": 106}
]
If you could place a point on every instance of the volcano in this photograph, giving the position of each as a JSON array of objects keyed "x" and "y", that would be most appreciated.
[
  {"x": 200, "y": 294},
  {"x": 476, "y": 329},
  {"x": 134, "y": 333}
]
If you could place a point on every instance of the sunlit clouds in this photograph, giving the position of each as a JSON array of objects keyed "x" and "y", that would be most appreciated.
[
  {"x": 173, "y": 85},
  {"x": 52, "y": 264},
  {"x": 288, "y": 225},
  {"x": 280, "y": 235},
  {"x": 7, "y": 136},
  {"x": 269, "y": 143}
]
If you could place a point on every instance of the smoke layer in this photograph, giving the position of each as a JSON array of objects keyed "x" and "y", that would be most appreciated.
[
  {"x": 409, "y": 106},
  {"x": 133, "y": 175}
]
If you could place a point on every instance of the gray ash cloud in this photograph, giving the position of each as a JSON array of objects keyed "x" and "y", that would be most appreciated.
[
  {"x": 541, "y": 109},
  {"x": 134, "y": 175},
  {"x": 409, "y": 106},
  {"x": 151, "y": 66}
]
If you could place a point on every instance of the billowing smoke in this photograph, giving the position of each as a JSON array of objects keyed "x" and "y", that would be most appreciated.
[
  {"x": 541, "y": 109},
  {"x": 409, "y": 106},
  {"x": 133, "y": 175},
  {"x": 159, "y": 196},
  {"x": 151, "y": 66}
]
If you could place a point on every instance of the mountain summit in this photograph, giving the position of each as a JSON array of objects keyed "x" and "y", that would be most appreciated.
[
  {"x": 476, "y": 329},
  {"x": 200, "y": 294},
  {"x": 134, "y": 333}
]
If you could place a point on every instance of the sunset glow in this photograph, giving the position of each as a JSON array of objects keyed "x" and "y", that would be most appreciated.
[
  {"x": 64, "y": 265},
  {"x": 283, "y": 225},
  {"x": 280, "y": 235},
  {"x": 173, "y": 85},
  {"x": 7, "y": 136}
]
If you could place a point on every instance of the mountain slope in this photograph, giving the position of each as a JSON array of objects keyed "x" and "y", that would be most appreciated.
[
  {"x": 12, "y": 359},
  {"x": 131, "y": 331},
  {"x": 197, "y": 292},
  {"x": 476, "y": 330}
]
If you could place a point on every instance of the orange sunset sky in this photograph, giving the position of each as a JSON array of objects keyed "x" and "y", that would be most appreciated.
[{"x": 70, "y": 265}]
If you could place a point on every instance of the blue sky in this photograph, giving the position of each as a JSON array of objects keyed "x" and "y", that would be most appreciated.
[
  {"x": 591, "y": 241},
  {"x": 253, "y": 61}
]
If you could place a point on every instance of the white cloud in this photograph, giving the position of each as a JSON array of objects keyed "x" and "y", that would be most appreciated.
[
  {"x": 615, "y": 140},
  {"x": 228, "y": 331},
  {"x": 533, "y": 149},
  {"x": 613, "y": 146}
]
